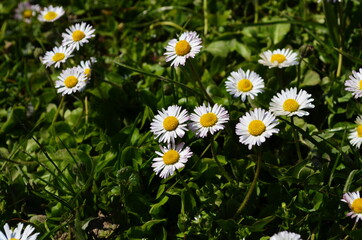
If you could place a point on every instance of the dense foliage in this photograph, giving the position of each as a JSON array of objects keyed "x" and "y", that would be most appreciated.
[{"x": 79, "y": 166}]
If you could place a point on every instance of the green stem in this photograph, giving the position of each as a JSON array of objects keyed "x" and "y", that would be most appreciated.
[
  {"x": 183, "y": 182},
  {"x": 196, "y": 77},
  {"x": 222, "y": 169},
  {"x": 86, "y": 109},
  {"x": 58, "y": 110},
  {"x": 340, "y": 60},
  {"x": 252, "y": 186},
  {"x": 295, "y": 136},
  {"x": 205, "y": 18},
  {"x": 299, "y": 73}
]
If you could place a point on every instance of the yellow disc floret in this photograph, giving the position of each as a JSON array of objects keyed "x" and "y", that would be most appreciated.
[
  {"x": 357, "y": 205},
  {"x": 170, "y": 123},
  {"x": 359, "y": 130},
  {"x": 182, "y": 48},
  {"x": 27, "y": 13},
  {"x": 278, "y": 57},
  {"x": 70, "y": 81},
  {"x": 290, "y": 105},
  {"x": 208, "y": 119},
  {"x": 256, "y": 127},
  {"x": 87, "y": 71},
  {"x": 58, "y": 57},
  {"x": 78, "y": 35},
  {"x": 245, "y": 85},
  {"x": 360, "y": 84},
  {"x": 170, "y": 157},
  {"x": 50, "y": 16}
]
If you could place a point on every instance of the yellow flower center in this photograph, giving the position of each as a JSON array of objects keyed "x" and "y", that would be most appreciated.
[
  {"x": 170, "y": 157},
  {"x": 14, "y": 239},
  {"x": 182, "y": 48},
  {"x": 359, "y": 130},
  {"x": 290, "y": 105},
  {"x": 256, "y": 127},
  {"x": 27, "y": 13},
  {"x": 245, "y": 85},
  {"x": 360, "y": 84},
  {"x": 58, "y": 57},
  {"x": 357, "y": 205},
  {"x": 78, "y": 35},
  {"x": 278, "y": 57},
  {"x": 70, "y": 81},
  {"x": 87, "y": 71},
  {"x": 170, "y": 123},
  {"x": 208, "y": 119},
  {"x": 50, "y": 15}
]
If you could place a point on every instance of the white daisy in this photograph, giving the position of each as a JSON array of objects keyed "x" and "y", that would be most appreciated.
[
  {"x": 170, "y": 124},
  {"x": 278, "y": 58},
  {"x": 86, "y": 67},
  {"x": 243, "y": 84},
  {"x": 354, "y": 84},
  {"x": 16, "y": 234},
  {"x": 70, "y": 80},
  {"x": 355, "y": 136},
  {"x": 171, "y": 158},
  {"x": 255, "y": 126},
  {"x": 354, "y": 203},
  {"x": 50, "y": 14},
  {"x": 25, "y": 11},
  {"x": 187, "y": 45},
  {"x": 207, "y": 119},
  {"x": 290, "y": 102},
  {"x": 285, "y": 235},
  {"x": 56, "y": 56},
  {"x": 78, "y": 34}
]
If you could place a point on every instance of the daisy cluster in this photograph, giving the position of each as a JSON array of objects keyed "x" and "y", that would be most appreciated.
[
  {"x": 26, "y": 12},
  {"x": 171, "y": 124},
  {"x": 72, "y": 79}
]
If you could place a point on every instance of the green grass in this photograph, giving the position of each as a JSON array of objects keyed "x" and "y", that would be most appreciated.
[{"x": 79, "y": 166}]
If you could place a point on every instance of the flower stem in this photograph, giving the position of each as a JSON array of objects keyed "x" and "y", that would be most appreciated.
[
  {"x": 252, "y": 185},
  {"x": 195, "y": 76},
  {"x": 60, "y": 106},
  {"x": 295, "y": 135},
  {"x": 182, "y": 181},
  {"x": 86, "y": 109},
  {"x": 222, "y": 169}
]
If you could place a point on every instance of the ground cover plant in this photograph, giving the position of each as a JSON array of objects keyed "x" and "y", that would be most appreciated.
[{"x": 180, "y": 119}]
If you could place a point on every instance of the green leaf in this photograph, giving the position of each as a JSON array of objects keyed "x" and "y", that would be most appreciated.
[
  {"x": 349, "y": 180},
  {"x": 218, "y": 49},
  {"x": 311, "y": 78}
]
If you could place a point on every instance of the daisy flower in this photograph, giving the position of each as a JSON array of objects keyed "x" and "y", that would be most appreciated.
[
  {"x": 170, "y": 158},
  {"x": 57, "y": 56},
  {"x": 85, "y": 67},
  {"x": 170, "y": 124},
  {"x": 16, "y": 234},
  {"x": 243, "y": 84},
  {"x": 207, "y": 119},
  {"x": 278, "y": 58},
  {"x": 290, "y": 102},
  {"x": 187, "y": 45},
  {"x": 70, "y": 80},
  {"x": 285, "y": 235},
  {"x": 354, "y": 84},
  {"x": 78, "y": 34},
  {"x": 50, "y": 14},
  {"x": 355, "y": 136},
  {"x": 354, "y": 203},
  {"x": 25, "y": 11},
  {"x": 255, "y": 126}
]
